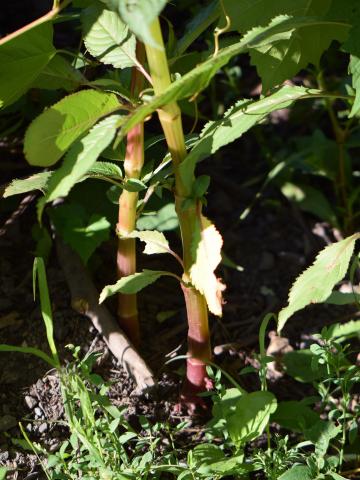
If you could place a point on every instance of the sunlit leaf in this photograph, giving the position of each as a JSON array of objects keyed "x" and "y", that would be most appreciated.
[
  {"x": 316, "y": 283},
  {"x": 56, "y": 129},
  {"x": 155, "y": 242},
  {"x": 206, "y": 246}
]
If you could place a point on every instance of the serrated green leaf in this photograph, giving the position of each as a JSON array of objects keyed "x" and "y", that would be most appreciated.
[
  {"x": 238, "y": 120},
  {"x": 107, "y": 38},
  {"x": 22, "y": 59},
  {"x": 53, "y": 132},
  {"x": 59, "y": 74},
  {"x": 206, "y": 252},
  {"x": 198, "y": 78},
  {"x": 251, "y": 416},
  {"x": 80, "y": 158},
  {"x": 132, "y": 283},
  {"x": 315, "y": 284},
  {"x": 139, "y": 14},
  {"x": 105, "y": 169},
  {"x": 155, "y": 242},
  {"x": 281, "y": 61},
  {"x": 38, "y": 181}
]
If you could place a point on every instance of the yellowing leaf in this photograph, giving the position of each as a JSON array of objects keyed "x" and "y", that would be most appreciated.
[{"x": 207, "y": 245}]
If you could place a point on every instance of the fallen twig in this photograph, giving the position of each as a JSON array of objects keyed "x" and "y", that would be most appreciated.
[{"x": 84, "y": 299}]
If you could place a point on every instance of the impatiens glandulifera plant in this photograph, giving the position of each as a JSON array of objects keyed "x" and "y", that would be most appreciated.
[{"x": 86, "y": 126}]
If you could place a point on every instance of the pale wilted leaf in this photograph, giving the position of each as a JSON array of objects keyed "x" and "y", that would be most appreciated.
[{"x": 207, "y": 245}]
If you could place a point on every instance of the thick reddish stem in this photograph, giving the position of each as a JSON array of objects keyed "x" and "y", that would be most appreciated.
[
  {"x": 199, "y": 350},
  {"x": 126, "y": 254}
]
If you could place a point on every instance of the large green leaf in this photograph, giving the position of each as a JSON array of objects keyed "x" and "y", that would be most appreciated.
[
  {"x": 281, "y": 61},
  {"x": 198, "y": 78},
  {"x": 251, "y": 416},
  {"x": 83, "y": 231},
  {"x": 107, "y": 38},
  {"x": 59, "y": 74},
  {"x": 132, "y": 283},
  {"x": 238, "y": 120},
  {"x": 52, "y": 133},
  {"x": 22, "y": 59},
  {"x": 80, "y": 158},
  {"x": 139, "y": 14},
  {"x": 316, "y": 283}
]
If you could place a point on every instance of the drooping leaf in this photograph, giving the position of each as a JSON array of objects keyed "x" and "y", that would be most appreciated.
[
  {"x": 80, "y": 158},
  {"x": 139, "y": 14},
  {"x": 315, "y": 284},
  {"x": 59, "y": 74},
  {"x": 53, "y": 132},
  {"x": 32, "y": 350},
  {"x": 238, "y": 120},
  {"x": 83, "y": 231},
  {"x": 38, "y": 181},
  {"x": 251, "y": 416},
  {"x": 22, "y": 59},
  {"x": 197, "y": 79},
  {"x": 206, "y": 246},
  {"x": 132, "y": 283},
  {"x": 155, "y": 242},
  {"x": 281, "y": 61},
  {"x": 107, "y": 38}
]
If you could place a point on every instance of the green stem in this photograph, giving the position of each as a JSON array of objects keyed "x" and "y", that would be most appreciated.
[
  {"x": 126, "y": 254},
  {"x": 199, "y": 348}
]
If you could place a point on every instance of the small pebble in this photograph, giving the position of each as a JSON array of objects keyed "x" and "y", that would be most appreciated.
[
  {"x": 30, "y": 402},
  {"x": 42, "y": 428},
  {"x": 38, "y": 412}
]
